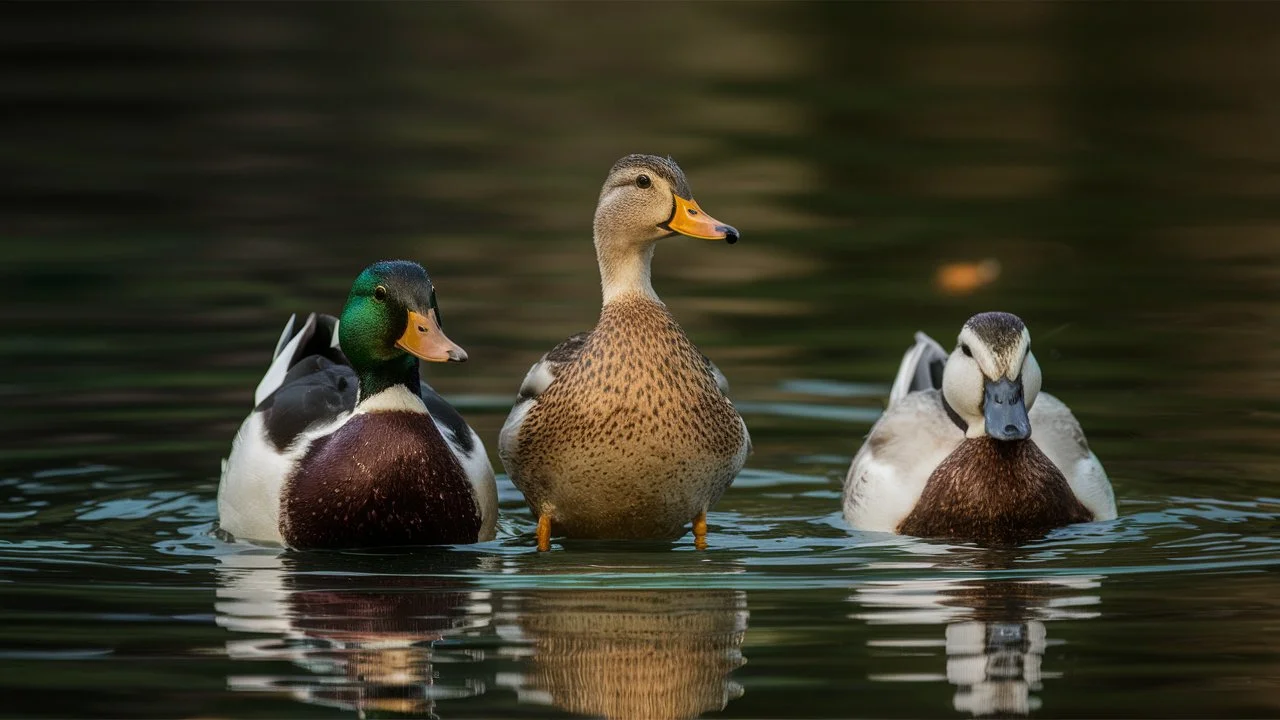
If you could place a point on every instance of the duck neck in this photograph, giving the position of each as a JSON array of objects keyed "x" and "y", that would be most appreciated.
[
  {"x": 376, "y": 376},
  {"x": 624, "y": 269}
]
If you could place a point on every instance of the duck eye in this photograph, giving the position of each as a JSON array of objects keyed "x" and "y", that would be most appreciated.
[
  {"x": 380, "y": 293},
  {"x": 643, "y": 182},
  {"x": 965, "y": 349}
]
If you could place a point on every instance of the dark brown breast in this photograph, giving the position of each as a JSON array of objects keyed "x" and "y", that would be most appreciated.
[
  {"x": 996, "y": 493},
  {"x": 384, "y": 478}
]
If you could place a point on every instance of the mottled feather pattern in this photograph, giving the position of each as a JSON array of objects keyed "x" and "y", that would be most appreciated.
[
  {"x": 387, "y": 479},
  {"x": 634, "y": 438},
  {"x": 994, "y": 492},
  {"x": 569, "y": 349}
]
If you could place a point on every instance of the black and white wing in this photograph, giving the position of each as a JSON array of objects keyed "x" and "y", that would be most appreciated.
[{"x": 309, "y": 384}]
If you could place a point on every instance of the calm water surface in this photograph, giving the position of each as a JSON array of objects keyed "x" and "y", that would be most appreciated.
[{"x": 181, "y": 179}]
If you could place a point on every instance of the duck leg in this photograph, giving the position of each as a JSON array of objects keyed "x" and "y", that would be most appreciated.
[
  {"x": 544, "y": 532},
  {"x": 700, "y": 531}
]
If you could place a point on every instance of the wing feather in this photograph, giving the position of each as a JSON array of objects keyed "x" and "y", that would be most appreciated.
[{"x": 536, "y": 381}]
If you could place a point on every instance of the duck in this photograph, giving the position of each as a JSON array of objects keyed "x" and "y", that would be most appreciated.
[
  {"x": 346, "y": 446},
  {"x": 626, "y": 431},
  {"x": 970, "y": 450}
]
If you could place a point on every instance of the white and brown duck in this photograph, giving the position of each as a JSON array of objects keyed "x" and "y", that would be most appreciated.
[{"x": 970, "y": 449}]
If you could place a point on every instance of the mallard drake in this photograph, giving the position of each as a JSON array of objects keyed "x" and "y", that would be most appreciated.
[
  {"x": 346, "y": 446},
  {"x": 625, "y": 431},
  {"x": 969, "y": 449}
]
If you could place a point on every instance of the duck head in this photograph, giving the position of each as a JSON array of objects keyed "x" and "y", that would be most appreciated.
[
  {"x": 992, "y": 379},
  {"x": 646, "y": 198},
  {"x": 391, "y": 320}
]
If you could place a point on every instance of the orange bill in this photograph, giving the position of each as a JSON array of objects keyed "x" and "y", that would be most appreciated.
[
  {"x": 424, "y": 339},
  {"x": 688, "y": 219}
]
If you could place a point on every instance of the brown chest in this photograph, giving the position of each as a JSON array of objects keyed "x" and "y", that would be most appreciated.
[
  {"x": 637, "y": 378},
  {"x": 994, "y": 492},
  {"x": 384, "y": 478}
]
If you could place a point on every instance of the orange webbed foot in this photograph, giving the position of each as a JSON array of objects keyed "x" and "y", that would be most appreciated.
[
  {"x": 544, "y": 533},
  {"x": 700, "y": 531}
]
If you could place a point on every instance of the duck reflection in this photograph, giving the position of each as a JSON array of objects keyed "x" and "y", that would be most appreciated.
[
  {"x": 629, "y": 653},
  {"x": 368, "y": 638},
  {"x": 996, "y": 633}
]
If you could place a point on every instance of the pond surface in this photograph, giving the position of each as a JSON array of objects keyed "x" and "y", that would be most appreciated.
[{"x": 181, "y": 178}]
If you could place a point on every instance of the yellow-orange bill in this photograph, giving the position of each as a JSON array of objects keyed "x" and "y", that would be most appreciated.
[
  {"x": 689, "y": 219},
  {"x": 424, "y": 339}
]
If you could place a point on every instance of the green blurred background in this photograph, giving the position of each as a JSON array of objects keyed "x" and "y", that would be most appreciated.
[{"x": 178, "y": 178}]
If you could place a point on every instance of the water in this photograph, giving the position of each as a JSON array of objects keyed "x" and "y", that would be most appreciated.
[{"x": 182, "y": 178}]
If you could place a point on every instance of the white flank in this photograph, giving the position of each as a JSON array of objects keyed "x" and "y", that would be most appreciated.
[
  {"x": 249, "y": 493},
  {"x": 479, "y": 473},
  {"x": 884, "y": 496},
  {"x": 509, "y": 436}
]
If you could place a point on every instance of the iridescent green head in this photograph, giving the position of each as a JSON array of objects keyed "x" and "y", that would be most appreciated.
[{"x": 390, "y": 321}]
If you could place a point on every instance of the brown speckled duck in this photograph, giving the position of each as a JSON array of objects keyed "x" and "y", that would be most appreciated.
[
  {"x": 969, "y": 449},
  {"x": 625, "y": 431}
]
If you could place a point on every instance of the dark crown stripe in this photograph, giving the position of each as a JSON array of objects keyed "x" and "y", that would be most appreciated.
[
  {"x": 665, "y": 168},
  {"x": 1001, "y": 331}
]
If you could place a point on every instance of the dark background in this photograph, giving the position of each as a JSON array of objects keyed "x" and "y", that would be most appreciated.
[{"x": 177, "y": 178}]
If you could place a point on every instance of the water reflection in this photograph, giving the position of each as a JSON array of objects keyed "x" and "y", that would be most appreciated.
[
  {"x": 629, "y": 653},
  {"x": 995, "y": 635},
  {"x": 370, "y": 642}
]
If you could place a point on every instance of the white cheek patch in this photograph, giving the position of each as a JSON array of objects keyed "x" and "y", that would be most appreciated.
[
  {"x": 1031, "y": 380},
  {"x": 962, "y": 386}
]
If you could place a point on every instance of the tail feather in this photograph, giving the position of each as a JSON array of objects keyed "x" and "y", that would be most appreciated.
[
  {"x": 921, "y": 368},
  {"x": 317, "y": 336},
  {"x": 285, "y": 336},
  {"x": 287, "y": 352}
]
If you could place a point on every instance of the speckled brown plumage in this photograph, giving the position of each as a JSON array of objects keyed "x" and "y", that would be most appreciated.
[
  {"x": 634, "y": 438},
  {"x": 386, "y": 478},
  {"x": 994, "y": 492}
]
